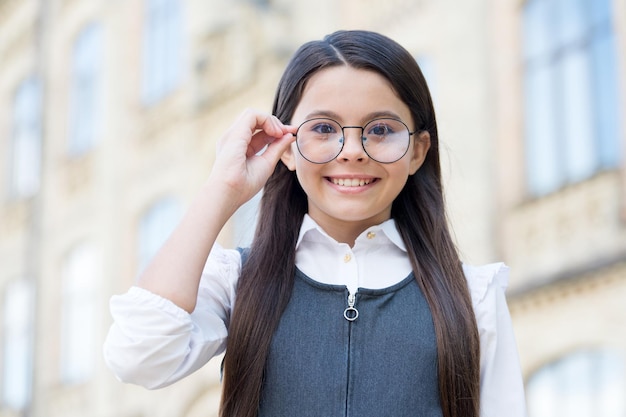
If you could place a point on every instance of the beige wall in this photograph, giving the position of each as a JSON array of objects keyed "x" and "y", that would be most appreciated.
[
  {"x": 585, "y": 312},
  {"x": 567, "y": 251}
]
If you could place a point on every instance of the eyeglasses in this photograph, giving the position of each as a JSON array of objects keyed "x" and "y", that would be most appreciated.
[{"x": 384, "y": 140}]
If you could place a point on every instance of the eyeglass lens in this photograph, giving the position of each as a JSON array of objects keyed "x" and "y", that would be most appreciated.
[{"x": 384, "y": 140}]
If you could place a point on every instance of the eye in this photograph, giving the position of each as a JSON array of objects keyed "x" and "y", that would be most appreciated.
[
  {"x": 380, "y": 129},
  {"x": 323, "y": 128}
]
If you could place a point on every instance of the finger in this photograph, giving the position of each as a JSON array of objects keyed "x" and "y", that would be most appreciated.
[
  {"x": 269, "y": 129},
  {"x": 256, "y": 130},
  {"x": 248, "y": 129},
  {"x": 246, "y": 125},
  {"x": 261, "y": 141},
  {"x": 256, "y": 120},
  {"x": 276, "y": 149}
]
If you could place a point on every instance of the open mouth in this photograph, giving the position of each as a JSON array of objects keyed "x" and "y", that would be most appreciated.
[{"x": 352, "y": 182}]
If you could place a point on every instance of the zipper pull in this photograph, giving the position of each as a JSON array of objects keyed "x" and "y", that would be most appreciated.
[{"x": 351, "y": 313}]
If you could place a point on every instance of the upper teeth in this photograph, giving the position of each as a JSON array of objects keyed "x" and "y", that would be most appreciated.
[{"x": 351, "y": 182}]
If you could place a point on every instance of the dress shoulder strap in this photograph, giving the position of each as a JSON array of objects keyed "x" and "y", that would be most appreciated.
[{"x": 244, "y": 252}]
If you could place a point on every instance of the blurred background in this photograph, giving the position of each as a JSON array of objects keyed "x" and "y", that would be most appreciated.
[{"x": 109, "y": 114}]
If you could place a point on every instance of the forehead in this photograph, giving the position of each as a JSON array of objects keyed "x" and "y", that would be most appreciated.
[{"x": 350, "y": 94}]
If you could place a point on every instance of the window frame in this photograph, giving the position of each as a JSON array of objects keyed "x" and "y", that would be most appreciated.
[
  {"x": 18, "y": 361},
  {"x": 86, "y": 90},
  {"x": 162, "y": 49},
  {"x": 566, "y": 116},
  {"x": 26, "y": 140}
]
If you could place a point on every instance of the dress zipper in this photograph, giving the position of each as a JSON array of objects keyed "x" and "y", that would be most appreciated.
[{"x": 351, "y": 313}]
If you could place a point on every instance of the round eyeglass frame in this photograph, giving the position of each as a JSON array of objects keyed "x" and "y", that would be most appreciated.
[{"x": 362, "y": 137}]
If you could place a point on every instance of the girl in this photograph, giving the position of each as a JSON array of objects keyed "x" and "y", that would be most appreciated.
[{"x": 351, "y": 300}]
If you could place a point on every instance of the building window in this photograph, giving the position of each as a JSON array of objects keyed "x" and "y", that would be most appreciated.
[
  {"x": 80, "y": 279},
  {"x": 25, "y": 175},
  {"x": 85, "y": 90},
  {"x": 17, "y": 353},
  {"x": 155, "y": 227},
  {"x": 584, "y": 384},
  {"x": 162, "y": 48},
  {"x": 571, "y": 92}
]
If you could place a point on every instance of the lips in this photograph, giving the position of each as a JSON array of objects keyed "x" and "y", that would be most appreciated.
[{"x": 351, "y": 182}]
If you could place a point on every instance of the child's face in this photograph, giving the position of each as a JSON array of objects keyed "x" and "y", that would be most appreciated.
[{"x": 353, "y": 97}]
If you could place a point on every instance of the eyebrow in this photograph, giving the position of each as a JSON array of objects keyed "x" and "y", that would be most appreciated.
[{"x": 370, "y": 116}]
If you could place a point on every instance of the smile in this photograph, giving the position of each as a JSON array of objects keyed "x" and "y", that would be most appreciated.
[{"x": 351, "y": 182}]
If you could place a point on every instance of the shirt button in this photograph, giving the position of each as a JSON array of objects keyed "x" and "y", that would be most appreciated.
[
  {"x": 347, "y": 257},
  {"x": 371, "y": 235}
]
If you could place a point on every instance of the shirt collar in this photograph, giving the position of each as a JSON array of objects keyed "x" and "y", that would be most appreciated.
[{"x": 311, "y": 230}]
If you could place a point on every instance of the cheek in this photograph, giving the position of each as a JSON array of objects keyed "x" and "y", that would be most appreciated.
[
  {"x": 310, "y": 176},
  {"x": 304, "y": 171},
  {"x": 401, "y": 169},
  {"x": 400, "y": 175}
]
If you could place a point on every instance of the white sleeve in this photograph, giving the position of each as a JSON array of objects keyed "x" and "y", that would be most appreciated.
[
  {"x": 153, "y": 342},
  {"x": 501, "y": 382}
]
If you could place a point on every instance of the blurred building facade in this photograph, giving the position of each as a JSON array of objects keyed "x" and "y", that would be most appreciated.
[{"x": 110, "y": 112}]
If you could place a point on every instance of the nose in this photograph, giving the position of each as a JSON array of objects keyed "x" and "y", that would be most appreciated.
[{"x": 352, "y": 145}]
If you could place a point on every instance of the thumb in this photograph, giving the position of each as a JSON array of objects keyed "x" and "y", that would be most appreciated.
[{"x": 275, "y": 150}]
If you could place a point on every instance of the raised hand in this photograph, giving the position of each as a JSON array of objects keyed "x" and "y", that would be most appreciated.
[
  {"x": 239, "y": 172},
  {"x": 248, "y": 153}
]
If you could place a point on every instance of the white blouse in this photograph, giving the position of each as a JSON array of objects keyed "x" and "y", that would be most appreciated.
[{"x": 154, "y": 343}]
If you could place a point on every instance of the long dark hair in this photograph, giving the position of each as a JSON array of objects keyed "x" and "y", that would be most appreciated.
[{"x": 266, "y": 279}]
